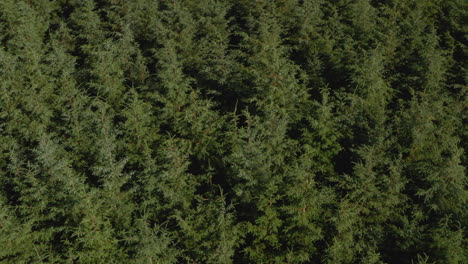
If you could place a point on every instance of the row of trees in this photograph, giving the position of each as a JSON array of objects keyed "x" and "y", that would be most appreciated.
[{"x": 233, "y": 131}]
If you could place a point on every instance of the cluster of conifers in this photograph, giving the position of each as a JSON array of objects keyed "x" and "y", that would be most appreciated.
[{"x": 233, "y": 131}]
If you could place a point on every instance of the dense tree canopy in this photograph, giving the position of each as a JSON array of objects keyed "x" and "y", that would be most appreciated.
[{"x": 233, "y": 131}]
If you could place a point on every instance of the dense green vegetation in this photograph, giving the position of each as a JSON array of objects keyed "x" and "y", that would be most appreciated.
[{"x": 233, "y": 131}]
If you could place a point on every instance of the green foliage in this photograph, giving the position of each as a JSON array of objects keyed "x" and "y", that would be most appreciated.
[{"x": 219, "y": 131}]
